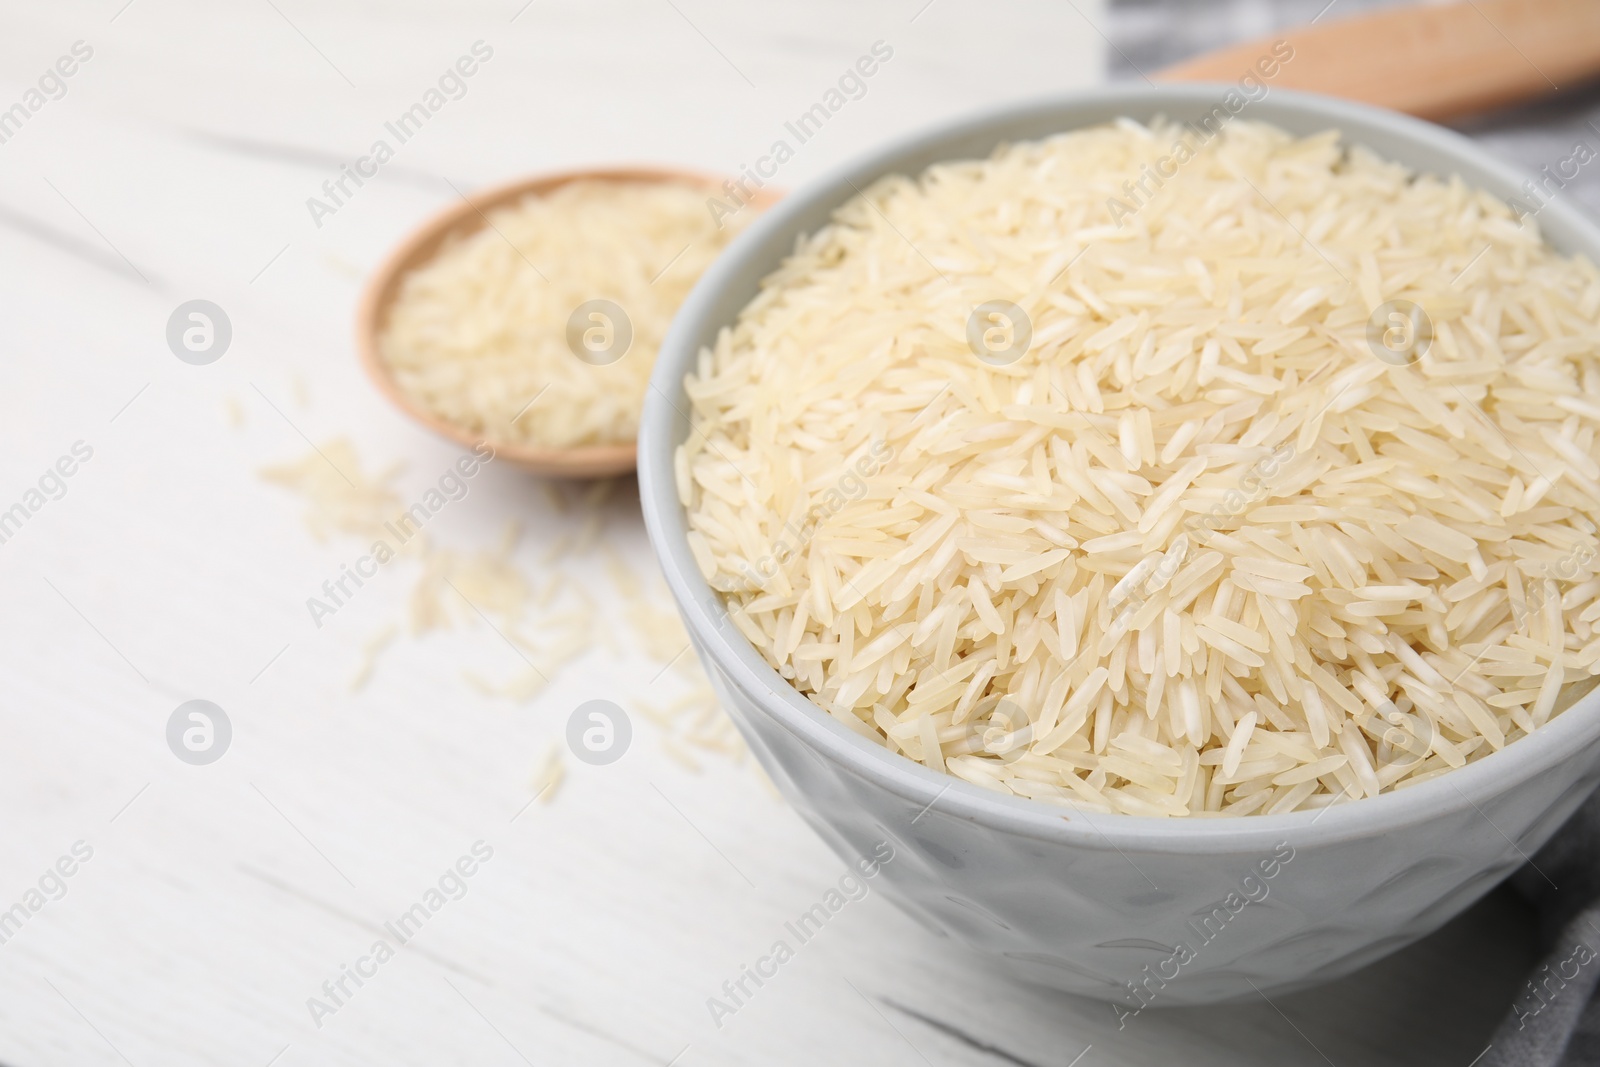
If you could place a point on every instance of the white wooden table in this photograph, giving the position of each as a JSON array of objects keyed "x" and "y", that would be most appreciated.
[{"x": 219, "y": 898}]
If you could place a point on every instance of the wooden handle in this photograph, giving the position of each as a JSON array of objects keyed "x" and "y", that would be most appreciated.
[{"x": 1437, "y": 62}]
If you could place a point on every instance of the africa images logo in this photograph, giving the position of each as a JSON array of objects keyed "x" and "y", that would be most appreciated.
[{"x": 1203, "y": 927}]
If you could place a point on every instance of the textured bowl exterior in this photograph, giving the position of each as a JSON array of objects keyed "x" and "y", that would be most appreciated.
[{"x": 1127, "y": 909}]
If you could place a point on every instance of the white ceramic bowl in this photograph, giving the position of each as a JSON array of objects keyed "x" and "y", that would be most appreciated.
[{"x": 1127, "y": 909}]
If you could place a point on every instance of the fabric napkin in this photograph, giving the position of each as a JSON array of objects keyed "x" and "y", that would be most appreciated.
[{"x": 1555, "y": 1019}]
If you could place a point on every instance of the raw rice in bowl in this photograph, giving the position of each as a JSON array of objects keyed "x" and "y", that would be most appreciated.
[
  {"x": 1053, "y": 890},
  {"x": 1150, "y": 470}
]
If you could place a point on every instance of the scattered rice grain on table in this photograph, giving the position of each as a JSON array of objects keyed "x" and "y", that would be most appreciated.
[
  {"x": 370, "y": 650},
  {"x": 549, "y": 771},
  {"x": 340, "y": 496}
]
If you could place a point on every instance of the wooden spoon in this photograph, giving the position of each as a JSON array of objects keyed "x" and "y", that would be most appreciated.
[
  {"x": 469, "y": 216},
  {"x": 1435, "y": 61}
]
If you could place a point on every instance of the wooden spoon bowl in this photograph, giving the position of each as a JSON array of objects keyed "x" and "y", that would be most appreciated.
[
  {"x": 467, "y": 217},
  {"x": 1435, "y": 61}
]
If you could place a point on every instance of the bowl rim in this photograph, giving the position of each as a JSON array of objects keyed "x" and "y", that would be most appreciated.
[
  {"x": 730, "y": 652},
  {"x": 467, "y": 215}
]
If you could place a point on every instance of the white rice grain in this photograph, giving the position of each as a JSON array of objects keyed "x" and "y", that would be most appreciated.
[{"x": 1197, "y": 534}]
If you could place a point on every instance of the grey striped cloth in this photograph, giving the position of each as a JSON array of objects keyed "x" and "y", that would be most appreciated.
[{"x": 1555, "y": 1019}]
